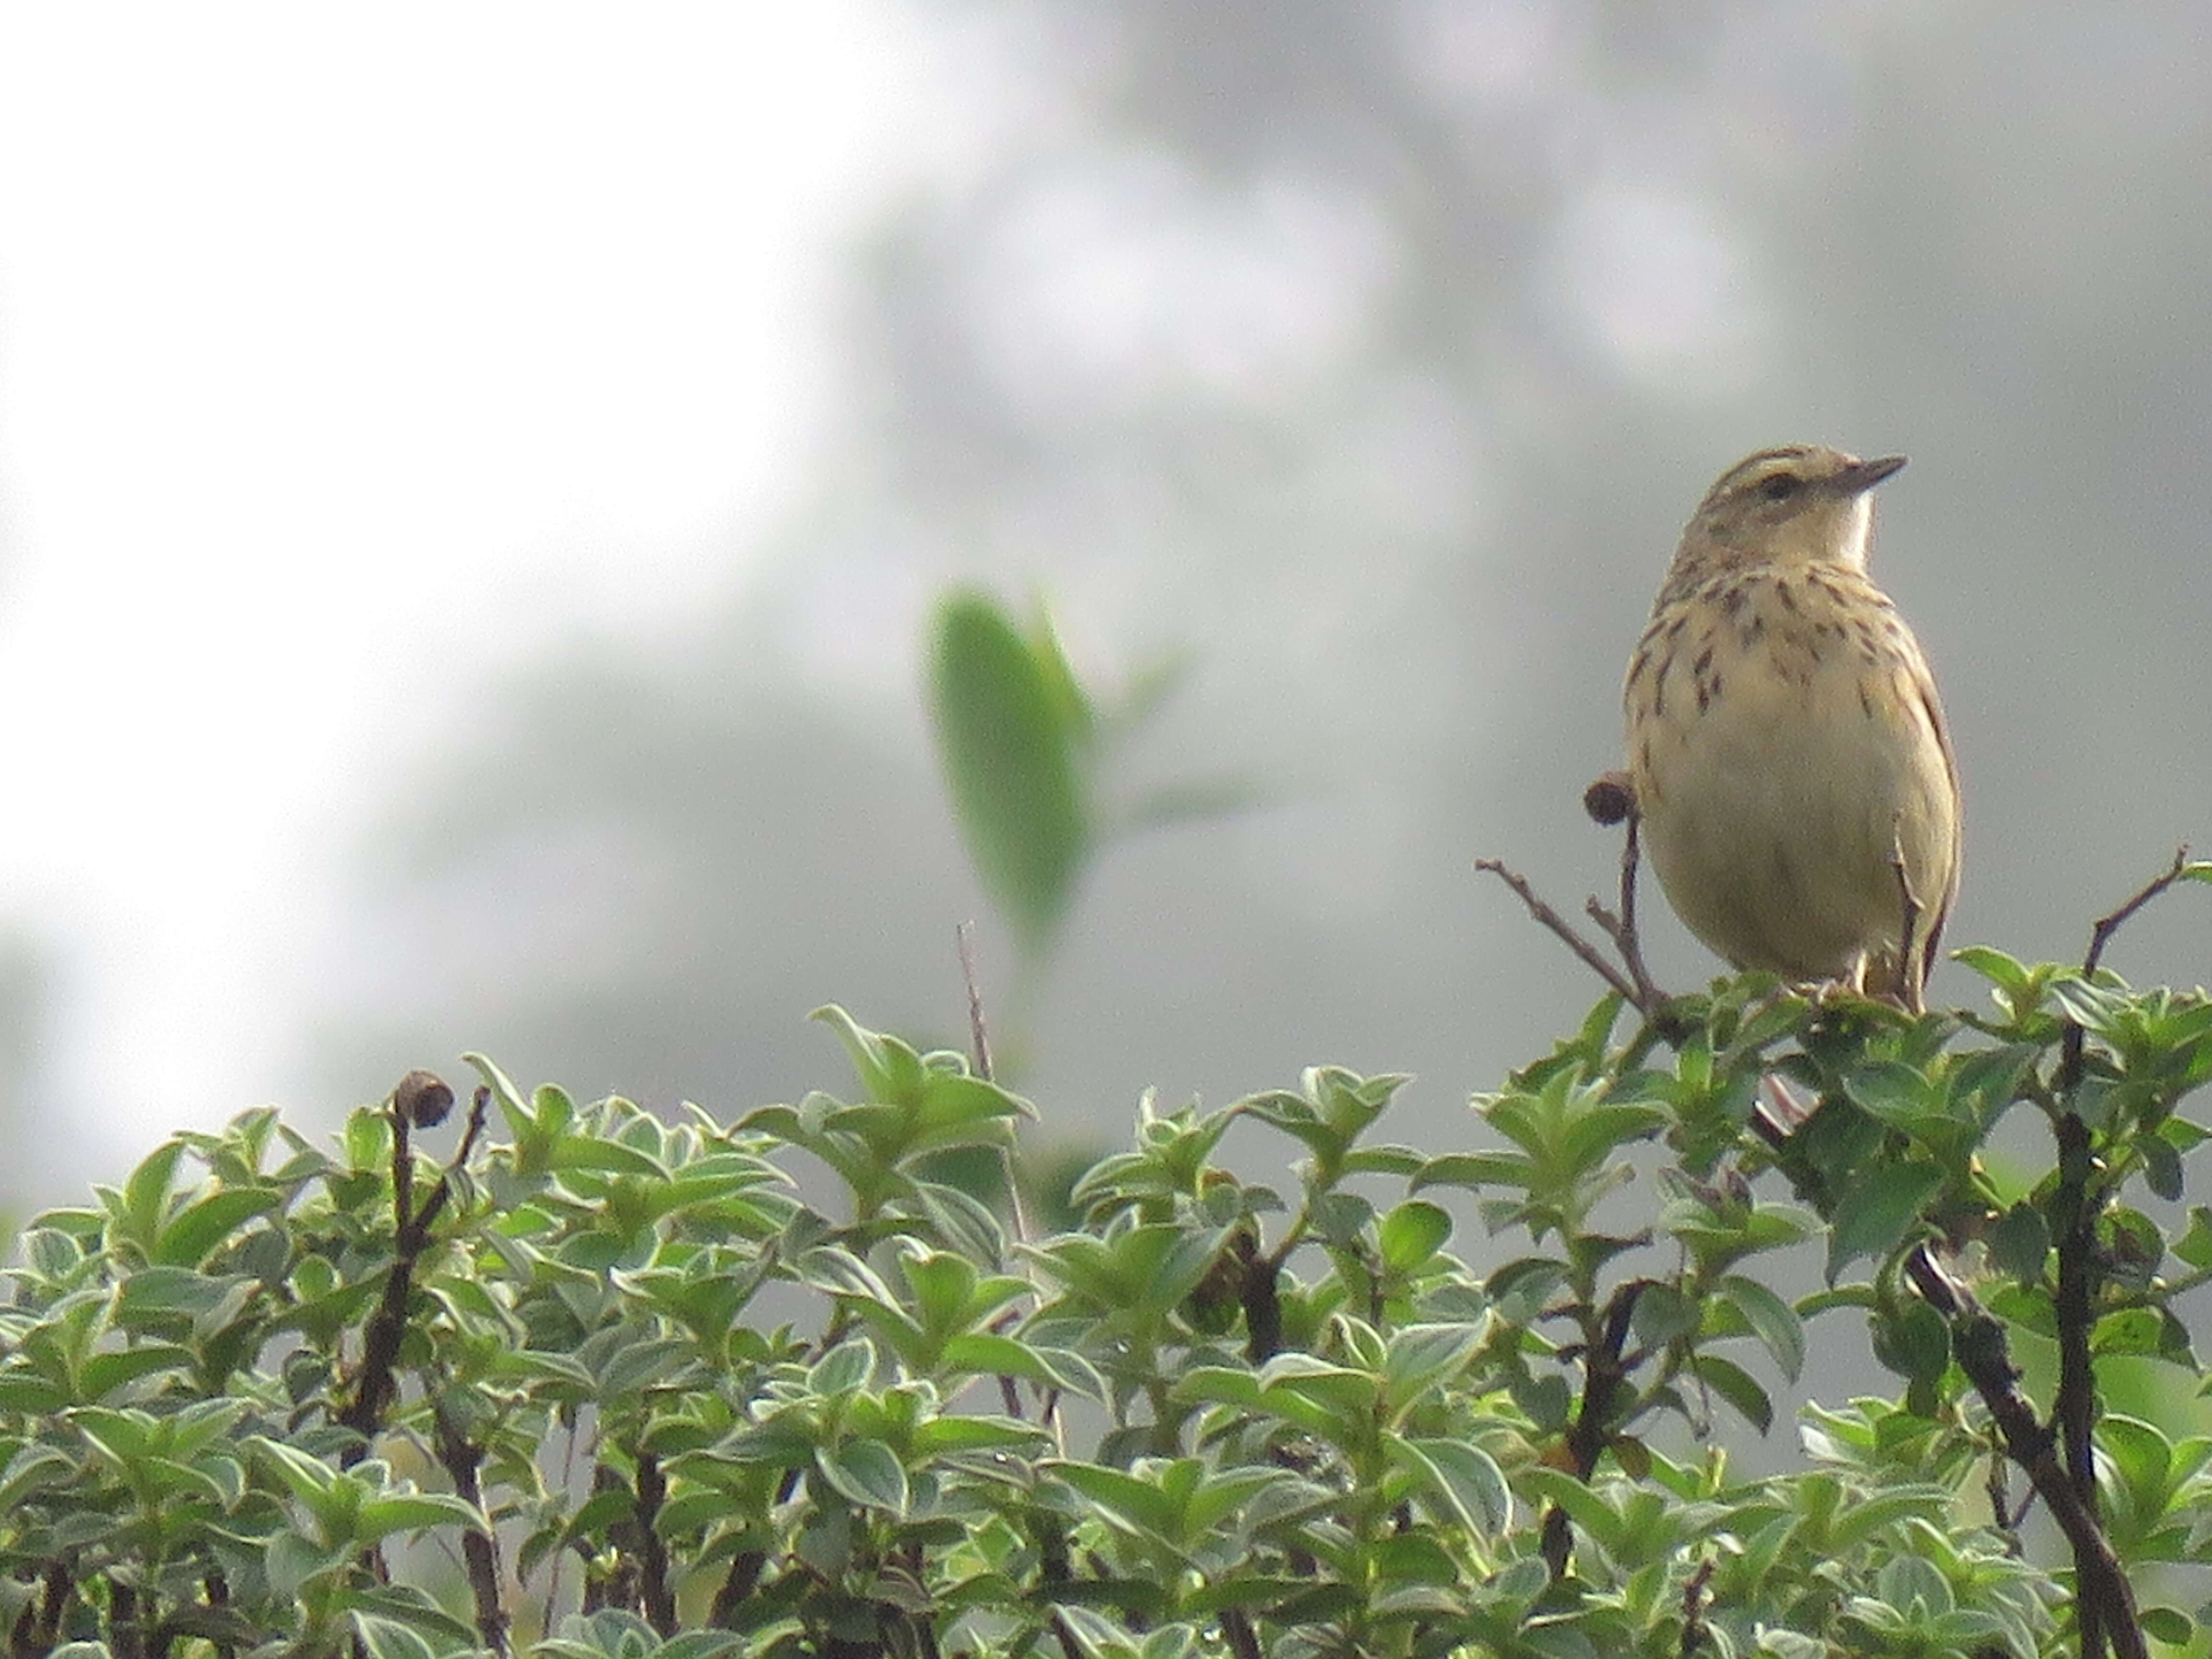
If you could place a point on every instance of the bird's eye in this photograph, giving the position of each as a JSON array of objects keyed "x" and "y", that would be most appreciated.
[{"x": 1780, "y": 486}]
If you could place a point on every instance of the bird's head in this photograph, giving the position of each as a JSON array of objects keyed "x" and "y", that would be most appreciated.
[{"x": 1797, "y": 504}]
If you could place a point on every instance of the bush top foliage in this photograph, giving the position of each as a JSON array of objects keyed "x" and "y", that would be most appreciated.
[{"x": 591, "y": 1383}]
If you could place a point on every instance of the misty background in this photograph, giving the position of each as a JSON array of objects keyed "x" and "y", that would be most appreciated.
[{"x": 473, "y": 483}]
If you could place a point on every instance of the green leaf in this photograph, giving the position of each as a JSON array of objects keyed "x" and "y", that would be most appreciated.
[
  {"x": 1125, "y": 1498},
  {"x": 588, "y": 1152},
  {"x": 387, "y": 1638},
  {"x": 104, "y": 1373},
  {"x": 2139, "y": 1454},
  {"x": 1772, "y": 1320},
  {"x": 1422, "y": 1358},
  {"x": 145, "y": 1195},
  {"x": 195, "y": 1229},
  {"x": 865, "y": 1472},
  {"x": 2168, "y": 1624},
  {"x": 1736, "y": 1386},
  {"x": 2099, "y": 1009},
  {"x": 2007, "y": 973},
  {"x": 2150, "y": 1333},
  {"x": 1476, "y": 1170},
  {"x": 381, "y": 1518},
  {"x": 1664, "y": 1315},
  {"x": 1874, "y": 1512},
  {"x": 1411, "y": 1233},
  {"x": 291, "y": 1562},
  {"x": 1011, "y": 734},
  {"x": 1983, "y": 1083},
  {"x": 845, "y": 1367},
  {"x": 152, "y": 1294},
  {"x": 2162, "y": 1167},
  {"x": 1893, "y": 1092},
  {"x": 1522, "y": 1290},
  {"x": 1911, "y": 1339},
  {"x": 2019, "y": 1242},
  {"x": 1874, "y": 1215},
  {"x": 2195, "y": 1244},
  {"x": 982, "y": 1354},
  {"x": 521, "y": 1118},
  {"x": 1462, "y": 1480}
]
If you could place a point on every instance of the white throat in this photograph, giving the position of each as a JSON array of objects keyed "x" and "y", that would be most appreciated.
[{"x": 1858, "y": 530}]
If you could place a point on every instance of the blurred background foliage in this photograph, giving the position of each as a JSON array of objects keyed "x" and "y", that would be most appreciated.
[
  {"x": 1368, "y": 354},
  {"x": 1374, "y": 354}
]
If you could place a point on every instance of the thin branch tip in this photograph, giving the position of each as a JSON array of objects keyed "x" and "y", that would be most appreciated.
[{"x": 1634, "y": 987}]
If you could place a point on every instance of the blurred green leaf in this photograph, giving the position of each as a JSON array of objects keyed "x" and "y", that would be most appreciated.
[{"x": 1013, "y": 736}]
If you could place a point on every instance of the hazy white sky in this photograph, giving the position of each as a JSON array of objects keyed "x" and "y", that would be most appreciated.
[{"x": 347, "y": 353}]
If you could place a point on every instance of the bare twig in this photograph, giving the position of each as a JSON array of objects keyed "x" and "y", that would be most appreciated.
[
  {"x": 979, "y": 1038},
  {"x": 1631, "y": 939},
  {"x": 979, "y": 1035},
  {"x": 2101, "y": 934},
  {"x": 2069, "y": 1052},
  {"x": 1592, "y": 957},
  {"x": 1610, "y": 800},
  {"x": 1620, "y": 927}
]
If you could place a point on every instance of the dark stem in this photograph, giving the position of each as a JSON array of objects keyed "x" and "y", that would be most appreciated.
[
  {"x": 126, "y": 1635},
  {"x": 387, "y": 1326},
  {"x": 1243, "y": 1641},
  {"x": 736, "y": 1588},
  {"x": 2074, "y": 1409},
  {"x": 2074, "y": 1304},
  {"x": 1603, "y": 1372},
  {"x": 2104, "y": 1600},
  {"x": 2000, "y": 1492},
  {"x": 2104, "y": 1603},
  {"x": 1693, "y": 1609},
  {"x": 461, "y": 1459},
  {"x": 659, "y": 1595}
]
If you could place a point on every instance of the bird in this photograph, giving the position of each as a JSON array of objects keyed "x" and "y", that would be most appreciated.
[{"x": 1788, "y": 758}]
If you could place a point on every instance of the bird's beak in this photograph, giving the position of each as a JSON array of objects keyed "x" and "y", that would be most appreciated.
[{"x": 1862, "y": 476}]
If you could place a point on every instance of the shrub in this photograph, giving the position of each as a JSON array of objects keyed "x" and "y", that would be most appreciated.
[{"x": 598, "y": 1384}]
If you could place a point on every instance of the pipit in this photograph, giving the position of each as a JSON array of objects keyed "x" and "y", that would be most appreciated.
[{"x": 1787, "y": 751}]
